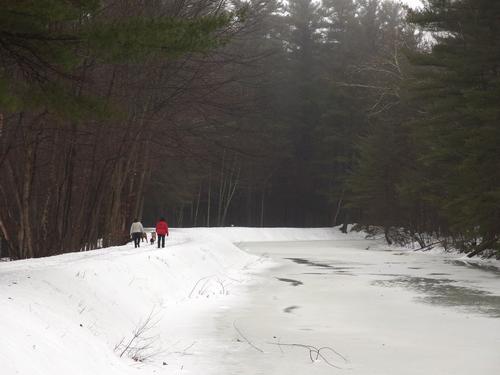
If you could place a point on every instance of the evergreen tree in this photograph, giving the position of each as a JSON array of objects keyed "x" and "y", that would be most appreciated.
[
  {"x": 46, "y": 45},
  {"x": 458, "y": 87}
]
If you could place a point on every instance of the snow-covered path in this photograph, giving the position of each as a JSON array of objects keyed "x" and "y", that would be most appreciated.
[{"x": 386, "y": 312}]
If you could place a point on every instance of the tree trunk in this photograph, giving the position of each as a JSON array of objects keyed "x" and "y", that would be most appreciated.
[
  {"x": 209, "y": 194},
  {"x": 485, "y": 245},
  {"x": 263, "y": 195}
]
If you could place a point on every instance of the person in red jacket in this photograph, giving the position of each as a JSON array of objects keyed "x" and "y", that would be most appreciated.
[{"x": 161, "y": 231}]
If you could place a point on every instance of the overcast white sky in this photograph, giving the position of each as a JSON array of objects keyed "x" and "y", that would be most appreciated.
[{"x": 413, "y": 3}]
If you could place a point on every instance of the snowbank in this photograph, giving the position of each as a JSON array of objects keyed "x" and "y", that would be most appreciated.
[{"x": 76, "y": 313}]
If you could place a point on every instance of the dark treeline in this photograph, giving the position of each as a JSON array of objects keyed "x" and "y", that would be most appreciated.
[
  {"x": 92, "y": 94},
  {"x": 313, "y": 100},
  {"x": 257, "y": 113}
]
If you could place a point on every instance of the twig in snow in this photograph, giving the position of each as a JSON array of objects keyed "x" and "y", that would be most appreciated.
[
  {"x": 203, "y": 285},
  {"x": 315, "y": 353},
  {"x": 196, "y": 284},
  {"x": 184, "y": 351},
  {"x": 281, "y": 350},
  {"x": 260, "y": 259},
  {"x": 247, "y": 340},
  {"x": 203, "y": 288},
  {"x": 222, "y": 286},
  {"x": 139, "y": 346},
  {"x": 189, "y": 347}
]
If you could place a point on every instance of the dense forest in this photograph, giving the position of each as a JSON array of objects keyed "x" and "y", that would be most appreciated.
[{"x": 248, "y": 113}]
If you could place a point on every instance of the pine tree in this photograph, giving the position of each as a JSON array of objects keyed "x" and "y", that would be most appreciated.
[
  {"x": 46, "y": 44},
  {"x": 458, "y": 87}
]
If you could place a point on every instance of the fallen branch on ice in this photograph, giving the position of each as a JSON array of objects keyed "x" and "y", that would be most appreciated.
[
  {"x": 316, "y": 353},
  {"x": 247, "y": 340},
  {"x": 429, "y": 246}
]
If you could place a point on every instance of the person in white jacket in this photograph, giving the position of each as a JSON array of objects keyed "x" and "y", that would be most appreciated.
[{"x": 136, "y": 230}]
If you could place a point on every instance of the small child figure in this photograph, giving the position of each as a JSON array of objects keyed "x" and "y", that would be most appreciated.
[{"x": 153, "y": 238}]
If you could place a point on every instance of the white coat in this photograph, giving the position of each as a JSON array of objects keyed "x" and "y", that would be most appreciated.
[{"x": 136, "y": 228}]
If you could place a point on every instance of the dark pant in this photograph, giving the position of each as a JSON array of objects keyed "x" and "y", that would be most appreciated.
[
  {"x": 161, "y": 240},
  {"x": 137, "y": 239}
]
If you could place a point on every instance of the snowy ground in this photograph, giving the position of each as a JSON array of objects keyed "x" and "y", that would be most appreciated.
[{"x": 203, "y": 306}]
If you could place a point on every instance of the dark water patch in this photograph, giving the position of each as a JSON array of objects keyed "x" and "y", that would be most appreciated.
[
  {"x": 309, "y": 263},
  {"x": 289, "y": 309},
  {"x": 338, "y": 265},
  {"x": 438, "y": 274},
  {"x": 387, "y": 274},
  {"x": 443, "y": 292},
  {"x": 478, "y": 266},
  {"x": 291, "y": 281},
  {"x": 415, "y": 268},
  {"x": 401, "y": 253},
  {"x": 345, "y": 273}
]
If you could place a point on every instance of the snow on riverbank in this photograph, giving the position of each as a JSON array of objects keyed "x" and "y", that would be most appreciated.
[
  {"x": 77, "y": 313},
  {"x": 243, "y": 234}
]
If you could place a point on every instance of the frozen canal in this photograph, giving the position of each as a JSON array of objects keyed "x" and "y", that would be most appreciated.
[{"x": 333, "y": 307}]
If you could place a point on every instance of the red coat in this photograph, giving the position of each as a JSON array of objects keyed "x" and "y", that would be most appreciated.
[{"x": 162, "y": 228}]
